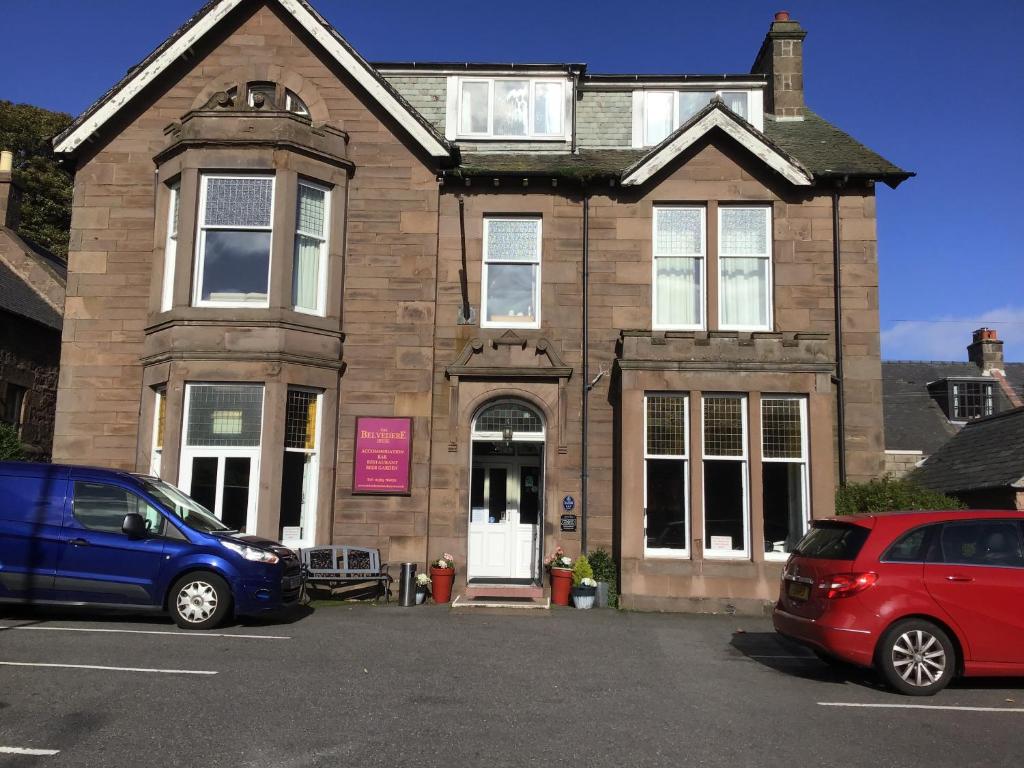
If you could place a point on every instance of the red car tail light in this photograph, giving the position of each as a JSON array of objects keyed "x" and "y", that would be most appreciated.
[{"x": 848, "y": 584}]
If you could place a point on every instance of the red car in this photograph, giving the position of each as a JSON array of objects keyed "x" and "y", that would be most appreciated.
[{"x": 919, "y": 596}]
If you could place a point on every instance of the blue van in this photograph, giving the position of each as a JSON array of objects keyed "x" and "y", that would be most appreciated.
[{"x": 86, "y": 536}]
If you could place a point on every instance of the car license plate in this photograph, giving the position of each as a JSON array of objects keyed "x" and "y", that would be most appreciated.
[
  {"x": 290, "y": 582},
  {"x": 798, "y": 591}
]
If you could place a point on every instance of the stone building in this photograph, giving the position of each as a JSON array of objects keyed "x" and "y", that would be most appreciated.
[
  {"x": 476, "y": 308},
  {"x": 32, "y": 284}
]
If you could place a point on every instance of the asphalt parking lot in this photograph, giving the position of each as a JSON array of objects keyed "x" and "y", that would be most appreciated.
[{"x": 366, "y": 685}]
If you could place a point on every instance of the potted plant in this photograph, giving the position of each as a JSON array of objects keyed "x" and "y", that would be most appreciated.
[
  {"x": 605, "y": 575},
  {"x": 422, "y": 587},
  {"x": 442, "y": 576},
  {"x": 559, "y": 567},
  {"x": 583, "y": 585}
]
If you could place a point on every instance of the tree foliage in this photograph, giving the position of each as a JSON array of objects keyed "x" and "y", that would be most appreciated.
[
  {"x": 10, "y": 445},
  {"x": 581, "y": 570},
  {"x": 46, "y": 201},
  {"x": 887, "y": 494}
]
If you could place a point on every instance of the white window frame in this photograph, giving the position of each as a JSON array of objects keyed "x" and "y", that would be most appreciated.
[
  {"x": 804, "y": 461},
  {"x": 535, "y": 323},
  {"x": 530, "y": 135},
  {"x": 664, "y": 552},
  {"x": 309, "y": 537},
  {"x": 202, "y": 228},
  {"x": 156, "y": 459},
  {"x": 726, "y": 554},
  {"x": 769, "y": 277},
  {"x": 189, "y": 452},
  {"x": 170, "y": 246},
  {"x": 702, "y": 261},
  {"x": 755, "y": 108},
  {"x": 322, "y": 267}
]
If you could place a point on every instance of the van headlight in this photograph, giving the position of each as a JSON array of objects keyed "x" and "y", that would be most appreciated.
[{"x": 251, "y": 553}]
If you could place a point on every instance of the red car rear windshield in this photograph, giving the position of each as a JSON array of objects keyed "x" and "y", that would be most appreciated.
[{"x": 829, "y": 540}]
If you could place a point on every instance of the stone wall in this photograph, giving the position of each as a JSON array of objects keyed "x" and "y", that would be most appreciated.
[
  {"x": 29, "y": 358},
  {"x": 899, "y": 464}
]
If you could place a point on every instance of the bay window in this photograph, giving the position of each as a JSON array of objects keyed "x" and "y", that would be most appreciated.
[
  {"x": 300, "y": 468},
  {"x": 233, "y": 241},
  {"x": 506, "y": 108},
  {"x": 744, "y": 267},
  {"x": 784, "y": 472},
  {"x": 726, "y": 497},
  {"x": 170, "y": 248},
  {"x": 679, "y": 248},
  {"x": 309, "y": 278},
  {"x": 159, "y": 427},
  {"x": 510, "y": 280},
  {"x": 666, "y": 476}
]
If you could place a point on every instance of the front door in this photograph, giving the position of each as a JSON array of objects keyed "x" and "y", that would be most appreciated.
[
  {"x": 505, "y": 511},
  {"x": 225, "y": 483}
]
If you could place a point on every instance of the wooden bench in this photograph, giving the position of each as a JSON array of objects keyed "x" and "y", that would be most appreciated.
[{"x": 333, "y": 566}]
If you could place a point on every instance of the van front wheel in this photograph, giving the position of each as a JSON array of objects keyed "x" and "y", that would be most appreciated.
[{"x": 199, "y": 600}]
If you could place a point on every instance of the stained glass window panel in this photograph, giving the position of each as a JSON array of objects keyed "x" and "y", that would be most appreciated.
[
  {"x": 239, "y": 202},
  {"x": 518, "y": 418},
  {"x": 300, "y": 420},
  {"x": 782, "y": 428},
  {"x": 723, "y": 426},
  {"x": 311, "y": 209},
  {"x": 225, "y": 415},
  {"x": 512, "y": 239},
  {"x": 679, "y": 232},
  {"x": 666, "y": 425},
  {"x": 744, "y": 231}
]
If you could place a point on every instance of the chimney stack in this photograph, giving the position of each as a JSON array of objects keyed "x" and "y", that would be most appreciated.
[
  {"x": 986, "y": 350},
  {"x": 10, "y": 192},
  {"x": 781, "y": 58}
]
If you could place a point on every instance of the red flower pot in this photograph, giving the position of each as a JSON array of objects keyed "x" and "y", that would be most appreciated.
[
  {"x": 561, "y": 583},
  {"x": 441, "y": 580}
]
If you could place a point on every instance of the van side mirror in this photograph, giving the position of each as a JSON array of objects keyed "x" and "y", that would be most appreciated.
[{"x": 134, "y": 525}]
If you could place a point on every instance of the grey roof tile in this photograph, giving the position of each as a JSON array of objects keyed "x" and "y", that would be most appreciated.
[{"x": 18, "y": 298}]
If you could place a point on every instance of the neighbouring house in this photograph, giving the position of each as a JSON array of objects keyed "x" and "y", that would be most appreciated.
[
  {"x": 982, "y": 465},
  {"x": 926, "y": 403},
  {"x": 32, "y": 284},
  {"x": 477, "y": 308}
]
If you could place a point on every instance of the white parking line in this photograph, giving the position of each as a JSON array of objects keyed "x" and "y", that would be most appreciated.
[
  {"x": 27, "y": 751},
  {"x": 802, "y": 658},
  {"x": 920, "y": 706},
  {"x": 147, "y": 632},
  {"x": 109, "y": 669}
]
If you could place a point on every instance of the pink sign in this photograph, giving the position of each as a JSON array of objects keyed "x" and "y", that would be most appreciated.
[{"x": 383, "y": 455}]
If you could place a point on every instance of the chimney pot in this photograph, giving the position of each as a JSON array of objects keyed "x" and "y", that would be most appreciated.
[
  {"x": 986, "y": 334},
  {"x": 782, "y": 16}
]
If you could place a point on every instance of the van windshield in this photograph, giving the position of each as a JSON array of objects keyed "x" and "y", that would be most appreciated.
[{"x": 194, "y": 514}]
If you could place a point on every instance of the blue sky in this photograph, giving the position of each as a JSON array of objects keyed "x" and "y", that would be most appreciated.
[{"x": 934, "y": 87}]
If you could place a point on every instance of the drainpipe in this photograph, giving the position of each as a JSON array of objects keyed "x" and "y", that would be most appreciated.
[
  {"x": 837, "y": 287},
  {"x": 464, "y": 277},
  {"x": 586, "y": 372}
]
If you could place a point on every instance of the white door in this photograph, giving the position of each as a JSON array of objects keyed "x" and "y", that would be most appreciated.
[
  {"x": 504, "y": 529},
  {"x": 224, "y": 482}
]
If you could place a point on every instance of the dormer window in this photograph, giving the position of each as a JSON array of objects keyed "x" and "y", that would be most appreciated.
[
  {"x": 659, "y": 112},
  {"x": 510, "y": 108},
  {"x": 970, "y": 400}
]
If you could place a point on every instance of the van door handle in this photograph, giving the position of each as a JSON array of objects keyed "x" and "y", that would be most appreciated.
[
  {"x": 79, "y": 542},
  {"x": 959, "y": 578}
]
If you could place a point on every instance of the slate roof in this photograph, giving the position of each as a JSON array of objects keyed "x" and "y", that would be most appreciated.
[
  {"x": 914, "y": 421},
  {"x": 586, "y": 165},
  {"x": 19, "y": 299},
  {"x": 987, "y": 453}
]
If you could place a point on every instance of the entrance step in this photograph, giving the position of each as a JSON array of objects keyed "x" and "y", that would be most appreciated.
[
  {"x": 500, "y": 605},
  {"x": 503, "y": 590}
]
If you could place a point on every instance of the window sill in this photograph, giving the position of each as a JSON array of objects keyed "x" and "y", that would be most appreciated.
[
  {"x": 524, "y": 139},
  {"x": 666, "y": 554}
]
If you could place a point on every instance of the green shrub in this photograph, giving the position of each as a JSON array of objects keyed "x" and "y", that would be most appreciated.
[
  {"x": 10, "y": 445},
  {"x": 581, "y": 570},
  {"x": 888, "y": 494},
  {"x": 604, "y": 570}
]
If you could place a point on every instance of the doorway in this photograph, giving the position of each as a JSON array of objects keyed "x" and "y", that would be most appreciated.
[{"x": 506, "y": 512}]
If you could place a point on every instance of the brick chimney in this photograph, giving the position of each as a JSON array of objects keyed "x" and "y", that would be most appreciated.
[
  {"x": 781, "y": 58},
  {"x": 10, "y": 192},
  {"x": 986, "y": 350}
]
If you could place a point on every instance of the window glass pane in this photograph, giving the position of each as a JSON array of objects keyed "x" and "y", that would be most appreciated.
[
  {"x": 306, "y": 273},
  {"x": 235, "y": 499},
  {"x": 692, "y": 102},
  {"x": 101, "y": 507},
  {"x": 161, "y": 418},
  {"x": 294, "y": 104},
  {"x": 225, "y": 415},
  {"x": 473, "y": 118},
  {"x": 784, "y": 514},
  {"x": 986, "y": 542},
  {"x": 300, "y": 420},
  {"x": 666, "y": 425},
  {"x": 737, "y": 102},
  {"x": 781, "y": 428},
  {"x": 548, "y": 106},
  {"x": 658, "y": 116},
  {"x": 175, "y": 210},
  {"x": 724, "y": 506},
  {"x": 511, "y": 107},
  {"x": 310, "y": 210},
  {"x": 679, "y": 232},
  {"x": 512, "y": 239},
  {"x": 666, "y": 504},
  {"x": 204, "y": 481},
  {"x": 529, "y": 495},
  {"x": 833, "y": 541},
  {"x": 678, "y": 291},
  {"x": 744, "y": 231},
  {"x": 266, "y": 90},
  {"x": 909, "y": 548},
  {"x": 743, "y": 290},
  {"x": 235, "y": 265},
  {"x": 723, "y": 426},
  {"x": 497, "y": 494},
  {"x": 511, "y": 292},
  {"x": 241, "y": 202},
  {"x": 518, "y": 418}
]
